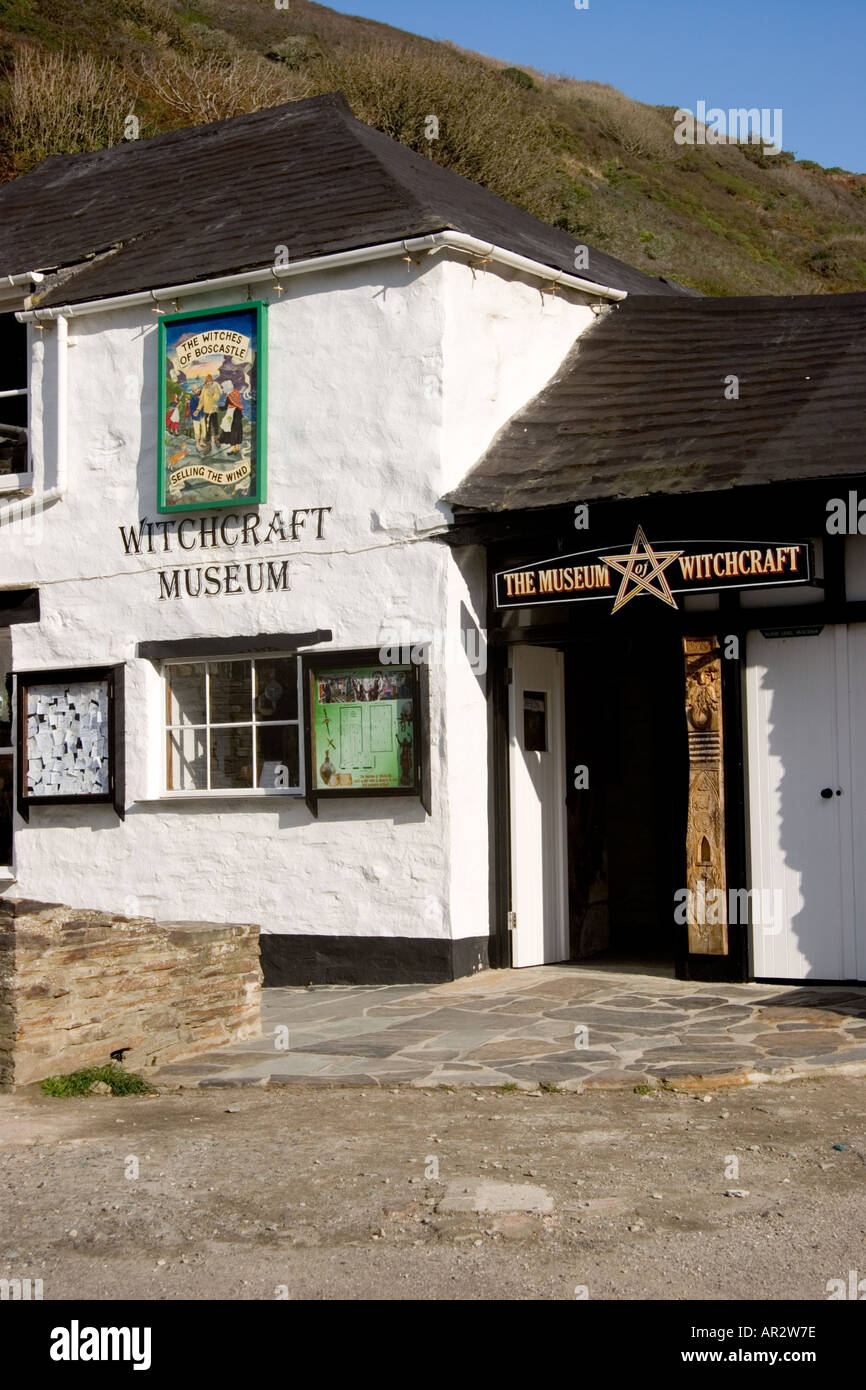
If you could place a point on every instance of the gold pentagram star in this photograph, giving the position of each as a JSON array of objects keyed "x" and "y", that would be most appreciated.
[{"x": 624, "y": 565}]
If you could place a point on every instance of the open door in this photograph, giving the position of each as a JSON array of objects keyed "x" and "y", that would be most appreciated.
[{"x": 539, "y": 893}]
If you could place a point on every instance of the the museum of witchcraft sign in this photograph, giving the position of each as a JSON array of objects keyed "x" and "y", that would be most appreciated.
[{"x": 623, "y": 573}]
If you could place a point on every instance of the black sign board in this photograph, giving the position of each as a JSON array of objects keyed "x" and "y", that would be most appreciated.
[{"x": 621, "y": 573}]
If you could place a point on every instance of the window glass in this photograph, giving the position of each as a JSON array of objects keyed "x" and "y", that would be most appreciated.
[
  {"x": 277, "y": 759},
  {"x": 535, "y": 721},
  {"x": 187, "y": 768},
  {"x": 230, "y": 692},
  {"x": 233, "y": 726},
  {"x": 231, "y": 759},
  {"x": 13, "y": 395},
  {"x": 277, "y": 689},
  {"x": 187, "y": 699}
]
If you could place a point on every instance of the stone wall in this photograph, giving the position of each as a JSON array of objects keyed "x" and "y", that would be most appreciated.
[{"x": 76, "y": 986}]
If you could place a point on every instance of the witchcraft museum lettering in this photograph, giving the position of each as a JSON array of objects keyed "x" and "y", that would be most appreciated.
[
  {"x": 207, "y": 533},
  {"x": 213, "y": 580},
  {"x": 235, "y": 528}
]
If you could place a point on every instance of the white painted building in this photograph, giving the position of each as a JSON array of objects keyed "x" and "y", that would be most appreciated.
[
  {"x": 282, "y": 694},
  {"x": 390, "y": 369}
]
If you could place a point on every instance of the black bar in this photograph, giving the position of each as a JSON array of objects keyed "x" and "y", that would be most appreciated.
[
  {"x": 19, "y": 606},
  {"x": 185, "y": 1338},
  {"x": 272, "y": 642}
]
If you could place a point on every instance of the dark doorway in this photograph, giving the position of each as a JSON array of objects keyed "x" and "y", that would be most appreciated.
[{"x": 626, "y": 827}]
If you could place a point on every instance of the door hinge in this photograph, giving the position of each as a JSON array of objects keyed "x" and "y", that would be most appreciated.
[
  {"x": 512, "y": 921},
  {"x": 509, "y": 676}
]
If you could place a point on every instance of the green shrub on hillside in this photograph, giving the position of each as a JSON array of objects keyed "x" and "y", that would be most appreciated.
[
  {"x": 579, "y": 155},
  {"x": 519, "y": 78}
]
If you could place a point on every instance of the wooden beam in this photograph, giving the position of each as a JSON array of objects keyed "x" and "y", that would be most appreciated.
[{"x": 706, "y": 876}]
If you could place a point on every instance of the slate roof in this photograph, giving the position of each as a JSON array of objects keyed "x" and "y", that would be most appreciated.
[
  {"x": 638, "y": 406},
  {"x": 215, "y": 199}
]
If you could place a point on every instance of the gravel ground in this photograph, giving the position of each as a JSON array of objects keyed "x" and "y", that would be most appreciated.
[{"x": 332, "y": 1193}]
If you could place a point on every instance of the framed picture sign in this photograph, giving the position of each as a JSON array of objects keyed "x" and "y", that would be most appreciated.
[
  {"x": 70, "y": 738},
  {"x": 366, "y": 727},
  {"x": 212, "y": 408}
]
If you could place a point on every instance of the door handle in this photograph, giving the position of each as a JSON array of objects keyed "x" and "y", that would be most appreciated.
[{"x": 826, "y": 793}]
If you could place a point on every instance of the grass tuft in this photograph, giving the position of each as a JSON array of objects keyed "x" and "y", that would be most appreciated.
[{"x": 79, "y": 1083}]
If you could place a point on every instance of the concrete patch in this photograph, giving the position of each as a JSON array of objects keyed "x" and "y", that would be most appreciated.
[{"x": 497, "y": 1197}]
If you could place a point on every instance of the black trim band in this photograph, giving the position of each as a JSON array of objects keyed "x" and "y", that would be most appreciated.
[
  {"x": 369, "y": 960},
  {"x": 275, "y": 642}
]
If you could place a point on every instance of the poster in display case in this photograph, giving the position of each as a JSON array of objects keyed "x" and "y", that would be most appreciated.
[{"x": 366, "y": 726}]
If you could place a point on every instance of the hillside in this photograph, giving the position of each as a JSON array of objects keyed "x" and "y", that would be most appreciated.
[{"x": 725, "y": 219}]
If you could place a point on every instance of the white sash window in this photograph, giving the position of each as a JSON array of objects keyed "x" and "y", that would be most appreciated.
[{"x": 232, "y": 727}]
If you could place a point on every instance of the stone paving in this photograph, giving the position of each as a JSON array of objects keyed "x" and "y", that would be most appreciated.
[{"x": 570, "y": 1026}]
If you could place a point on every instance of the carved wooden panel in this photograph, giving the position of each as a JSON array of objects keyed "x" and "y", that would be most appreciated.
[{"x": 707, "y": 916}]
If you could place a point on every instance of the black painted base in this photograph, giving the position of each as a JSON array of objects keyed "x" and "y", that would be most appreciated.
[
  {"x": 716, "y": 970},
  {"x": 369, "y": 960}
]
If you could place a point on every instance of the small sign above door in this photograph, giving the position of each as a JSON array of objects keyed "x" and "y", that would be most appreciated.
[{"x": 658, "y": 570}]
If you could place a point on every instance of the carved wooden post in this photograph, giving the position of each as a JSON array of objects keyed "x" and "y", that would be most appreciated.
[{"x": 705, "y": 833}]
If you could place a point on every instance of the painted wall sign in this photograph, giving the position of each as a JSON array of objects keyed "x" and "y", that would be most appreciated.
[
  {"x": 212, "y": 408},
  {"x": 657, "y": 570}
]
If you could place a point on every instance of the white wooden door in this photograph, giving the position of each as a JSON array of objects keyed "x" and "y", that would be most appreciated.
[
  {"x": 800, "y": 804},
  {"x": 856, "y": 800},
  {"x": 539, "y": 890}
]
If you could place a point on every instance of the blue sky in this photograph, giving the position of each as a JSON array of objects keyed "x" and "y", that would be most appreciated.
[{"x": 806, "y": 56}]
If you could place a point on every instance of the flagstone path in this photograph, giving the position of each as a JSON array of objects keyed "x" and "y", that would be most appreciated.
[{"x": 568, "y": 1026}]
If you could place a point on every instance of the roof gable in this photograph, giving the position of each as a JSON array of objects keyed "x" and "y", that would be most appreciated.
[{"x": 213, "y": 199}]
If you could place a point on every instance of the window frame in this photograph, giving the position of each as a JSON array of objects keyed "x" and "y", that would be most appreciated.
[
  {"x": 115, "y": 795},
  {"x": 16, "y": 482},
  {"x": 316, "y": 663},
  {"x": 167, "y": 728}
]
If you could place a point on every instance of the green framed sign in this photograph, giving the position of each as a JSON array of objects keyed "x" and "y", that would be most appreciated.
[
  {"x": 366, "y": 727},
  {"x": 212, "y": 419}
]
